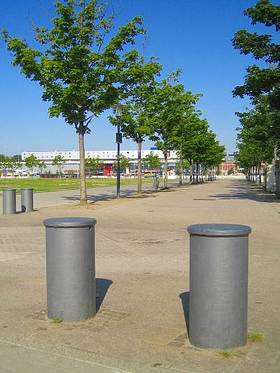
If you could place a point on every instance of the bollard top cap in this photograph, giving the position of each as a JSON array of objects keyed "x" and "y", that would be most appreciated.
[
  {"x": 219, "y": 230},
  {"x": 26, "y": 189},
  {"x": 69, "y": 222}
]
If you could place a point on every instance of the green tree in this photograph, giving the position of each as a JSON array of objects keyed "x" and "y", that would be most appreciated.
[
  {"x": 93, "y": 165},
  {"x": 261, "y": 80},
  {"x": 124, "y": 163},
  {"x": 134, "y": 117},
  {"x": 42, "y": 166},
  {"x": 256, "y": 139},
  {"x": 152, "y": 162},
  {"x": 182, "y": 165},
  {"x": 170, "y": 106},
  {"x": 31, "y": 162},
  {"x": 58, "y": 161},
  {"x": 8, "y": 163},
  {"x": 80, "y": 67}
]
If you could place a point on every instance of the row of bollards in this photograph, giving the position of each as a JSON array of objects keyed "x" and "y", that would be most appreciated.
[
  {"x": 218, "y": 278},
  {"x": 9, "y": 200}
]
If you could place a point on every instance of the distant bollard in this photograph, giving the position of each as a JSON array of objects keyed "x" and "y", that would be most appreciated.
[
  {"x": 26, "y": 200},
  {"x": 70, "y": 261},
  {"x": 9, "y": 201},
  {"x": 218, "y": 285}
]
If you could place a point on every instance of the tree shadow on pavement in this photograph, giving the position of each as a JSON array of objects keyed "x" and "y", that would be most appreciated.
[
  {"x": 109, "y": 197},
  {"x": 246, "y": 191},
  {"x": 185, "y": 300},
  {"x": 102, "y": 287}
]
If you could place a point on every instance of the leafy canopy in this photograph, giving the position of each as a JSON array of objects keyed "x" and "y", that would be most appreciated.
[
  {"x": 258, "y": 80},
  {"x": 80, "y": 73},
  {"x": 152, "y": 162}
]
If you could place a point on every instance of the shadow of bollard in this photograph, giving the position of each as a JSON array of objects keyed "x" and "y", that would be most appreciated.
[
  {"x": 185, "y": 300},
  {"x": 102, "y": 287}
]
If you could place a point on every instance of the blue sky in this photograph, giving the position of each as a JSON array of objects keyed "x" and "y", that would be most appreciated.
[{"x": 189, "y": 34}]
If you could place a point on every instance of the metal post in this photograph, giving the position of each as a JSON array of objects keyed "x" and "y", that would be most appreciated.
[
  {"x": 218, "y": 285},
  {"x": 70, "y": 262},
  {"x": 9, "y": 201},
  {"x": 118, "y": 140},
  {"x": 27, "y": 200}
]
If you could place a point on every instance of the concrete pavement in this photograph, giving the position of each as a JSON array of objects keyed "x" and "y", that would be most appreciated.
[
  {"x": 46, "y": 199},
  {"x": 142, "y": 279}
]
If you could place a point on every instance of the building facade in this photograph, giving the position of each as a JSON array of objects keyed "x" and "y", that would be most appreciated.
[{"x": 107, "y": 157}]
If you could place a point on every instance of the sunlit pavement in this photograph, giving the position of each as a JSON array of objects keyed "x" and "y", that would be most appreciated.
[{"x": 142, "y": 278}]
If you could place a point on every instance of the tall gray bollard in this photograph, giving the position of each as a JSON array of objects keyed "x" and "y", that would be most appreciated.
[
  {"x": 70, "y": 259},
  {"x": 218, "y": 285},
  {"x": 26, "y": 199},
  {"x": 9, "y": 201}
]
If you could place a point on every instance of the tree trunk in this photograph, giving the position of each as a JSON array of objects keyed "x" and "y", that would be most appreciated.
[
  {"x": 191, "y": 172},
  {"x": 197, "y": 169},
  {"x": 165, "y": 170},
  {"x": 181, "y": 171},
  {"x": 139, "y": 146},
  {"x": 83, "y": 188},
  {"x": 265, "y": 177},
  {"x": 260, "y": 174},
  {"x": 277, "y": 178}
]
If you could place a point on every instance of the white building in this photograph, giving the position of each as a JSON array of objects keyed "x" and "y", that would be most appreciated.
[{"x": 107, "y": 157}]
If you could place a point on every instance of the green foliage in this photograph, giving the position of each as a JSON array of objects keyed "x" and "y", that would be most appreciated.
[
  {"x": 169, "y": 107},
  {"x": 185, "y": 164},
  {"x": 93, "y": 164},
  {"x": 261, "y": 80},
  {"x": 59, "y": 161},
  {"x": 78, "y": 72},
  {"x": 56, "y": 320},
  {"x": 9, "y": 163},
  {"x": 178, "y": 126},
  {"x": 124, "y": 163},
  {"x": 260, "y": 131},
  {"x": 226, "y": 354},
  {"x": 255, "y": 337},
  {"x": 152, "y": 162},
  {"x": 134, "y": 116},
  {"x": 31, "y": 161},
  {"x": 256, "y": 137},
  {"x": 81, "y": 69},
  {"x": 42, "y": 165}
]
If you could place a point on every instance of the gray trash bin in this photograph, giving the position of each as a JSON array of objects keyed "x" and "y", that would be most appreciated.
[
  {"x": 9, "y": 201},
  {"x": 27, "y": 200},
  {"x": 218, "y": 285},
  {"x": 70, "y": 262}
]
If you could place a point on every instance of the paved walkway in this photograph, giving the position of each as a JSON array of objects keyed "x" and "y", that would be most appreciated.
[
  {"x": 47, "y": 199},
  {"x": 142, "y": 278}
]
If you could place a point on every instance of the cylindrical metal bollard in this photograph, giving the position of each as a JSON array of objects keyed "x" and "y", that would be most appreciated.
[
  {"x": 218, "y": 285},
  {"x": 70, "y": 260},
  {"x": 26, "y": 199},
  {"x": 9, "y": 201}
]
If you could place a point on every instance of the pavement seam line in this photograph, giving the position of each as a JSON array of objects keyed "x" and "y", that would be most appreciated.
[{"x": 116, "y": 370}]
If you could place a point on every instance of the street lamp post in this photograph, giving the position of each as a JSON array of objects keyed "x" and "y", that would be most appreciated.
[
  {"x": 118, "y": 141},
  {"x": 118, "y": 111}
]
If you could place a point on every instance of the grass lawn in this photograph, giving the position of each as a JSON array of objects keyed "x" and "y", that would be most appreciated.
[{"x": 50, "y": 185}]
